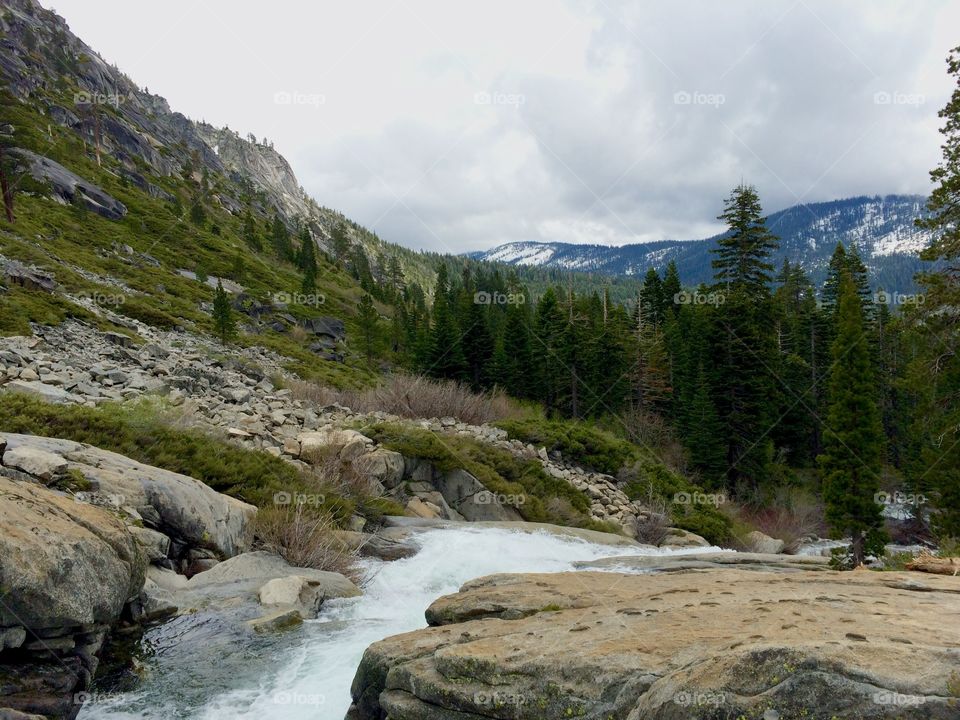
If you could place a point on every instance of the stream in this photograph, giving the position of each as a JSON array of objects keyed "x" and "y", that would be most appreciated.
[{"x": 197, "y": 667}]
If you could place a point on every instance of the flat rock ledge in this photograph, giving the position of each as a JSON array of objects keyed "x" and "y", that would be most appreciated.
[{"x": 705, "y": 644}]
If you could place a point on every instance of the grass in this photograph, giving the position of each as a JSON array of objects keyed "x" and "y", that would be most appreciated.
[
  {"x": 142, "y": 434},
  {"x": 542, "y": 498}
]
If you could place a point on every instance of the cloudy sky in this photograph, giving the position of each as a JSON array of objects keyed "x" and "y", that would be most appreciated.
[{"x": 459, "y": 126}]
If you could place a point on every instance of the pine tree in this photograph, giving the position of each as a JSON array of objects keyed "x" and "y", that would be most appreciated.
[
  {"x": 853, "y": 437},
  {"x": 548, "y": 347},
  {"x": 250, "y": 236},
  {"x": 671, "y": 287},
  {"x": 745, "y": 341},
  {"x": 477, "y": 342},
  {"x": 280, "y": 239},
  {"x": 367, "y": 324},
  {"x": 224, "y": 324},
  {"x": 705, "y": 434},
  {"x": 652, "y": 301},
  {"x": 339, "y": 243},
  {"x": 743, "y": 252},
  {"x": 937, "y": 370},
  {"x": 445, "y": 355}
]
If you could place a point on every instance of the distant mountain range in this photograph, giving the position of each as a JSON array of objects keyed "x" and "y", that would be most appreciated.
[{"x": 881, "y": 228}]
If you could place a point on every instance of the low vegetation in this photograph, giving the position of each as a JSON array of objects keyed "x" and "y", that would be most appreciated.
[
  {"x": 416, "y": 396},
  {"x": 537, "y": 496}
]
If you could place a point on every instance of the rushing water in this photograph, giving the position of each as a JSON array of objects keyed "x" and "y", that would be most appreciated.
[{"x": 197, "y": 668}]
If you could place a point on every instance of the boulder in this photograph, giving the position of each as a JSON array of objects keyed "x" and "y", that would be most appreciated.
[
  {"x": 67, "y": 570},
  {"x": 69, "y": 186},
  {"x": 344, "y": 444},
  {"x": 47, "y": 393},
  {"x": 679, "y": 646},
  {"x": 468, "y": 496},
  {"x": 418, "y": 508},
  {"x": 181, "y": 507},
  {"x": 39, "y": 463},
  {"x": 677, "y": 538},
  {"x": 758, "y": 542},
  {"x": 382, "y": 466}
]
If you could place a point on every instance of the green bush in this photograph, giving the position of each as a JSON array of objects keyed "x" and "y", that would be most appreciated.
[
  {"x": 580, "y": 443},
  {"x": 545, "y": 498},
  {"x": 140, "y": 434}
]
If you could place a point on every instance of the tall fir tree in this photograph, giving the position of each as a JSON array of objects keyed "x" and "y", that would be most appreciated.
[
  {"x": 368, "y": 321},
  {"x": 853, "y": 436}
]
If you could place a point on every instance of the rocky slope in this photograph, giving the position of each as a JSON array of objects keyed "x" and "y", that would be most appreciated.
[{"x": 719, "y": 643}]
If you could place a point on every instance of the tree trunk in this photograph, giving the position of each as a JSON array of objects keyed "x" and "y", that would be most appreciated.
[{"x": 856, "y": 548}]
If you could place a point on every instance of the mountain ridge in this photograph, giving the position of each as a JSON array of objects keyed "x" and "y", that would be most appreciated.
[{"x": 880, "y": 227}]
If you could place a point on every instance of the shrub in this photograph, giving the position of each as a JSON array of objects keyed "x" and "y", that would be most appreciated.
[
  {"x": 545, "y": 498},
  {"x": 416, "y": 396},
  {"x": 303, "y": 538},
  {"x": 578, "y": 442}
]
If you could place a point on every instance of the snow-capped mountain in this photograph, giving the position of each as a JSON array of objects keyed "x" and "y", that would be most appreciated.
[{"x": 881, "y": 228}]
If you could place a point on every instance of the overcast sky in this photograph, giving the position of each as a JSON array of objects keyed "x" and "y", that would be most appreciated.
[{"x": 458, "y": 126}]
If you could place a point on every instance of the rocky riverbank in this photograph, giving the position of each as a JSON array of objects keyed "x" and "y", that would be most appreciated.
[{"x": 780, "y": 642}]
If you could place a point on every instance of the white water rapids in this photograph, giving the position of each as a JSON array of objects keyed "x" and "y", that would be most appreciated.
[{"x": 202, "y": 672}]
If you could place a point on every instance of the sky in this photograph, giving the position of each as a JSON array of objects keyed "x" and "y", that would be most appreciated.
[{"x": 456, "y": 126}]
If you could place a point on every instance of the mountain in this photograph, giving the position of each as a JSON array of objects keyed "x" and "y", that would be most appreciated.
[{"x": 881, "y": 228}]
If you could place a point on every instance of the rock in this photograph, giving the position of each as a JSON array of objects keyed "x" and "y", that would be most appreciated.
[
  {"x": 382, "y": 466},
  {"x": 12, "y": 637},
  {"x": 253, "y": 569},
  {"x": 591, "y": 536},
  {"x": 418, "y": 508},
  {"x": 677, "y": 538},
  {"x": 344, "y": 444},
  {"x": 468, "y": 496},
  {"x": 700, "y": 561},
  {"x": 47, "y": 393},
  {"x": 387, "y": 544},
  {"x": 41, "y": 464},
  {"x": 153, "y": 603},
  {"x": 67, "y": 570},
  {"x": 67, "y": 185},
  {"x": 757, "y": 542},
  {"x": 155, "y": 544},
  {"x": 276, "y": 621},
  {"x": 28, "y": 277},
  {"x": 185, "y": 509},
  {"x": 119, "y": 339},
  {"x": 29, "y": 374},
  {"x": 691, "y": 646}
]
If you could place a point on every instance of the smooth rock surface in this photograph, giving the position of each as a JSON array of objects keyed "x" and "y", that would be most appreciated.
[{"x": 706, "y": 645}]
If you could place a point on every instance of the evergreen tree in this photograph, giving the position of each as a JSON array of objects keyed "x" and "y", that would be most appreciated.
[
  {"x": 743, "y": 252},
  {"x": 445, "y": 355},
  {"x": 280, "y": 239},
  {"x": 744, "y": 343},
  {"x": 224, "y": 324},
  {"x": 477, "y": 343},
  {"x": 705, "y": 434},
  {"x": 367, "y": 324},
  {"x": 853, "y": 437},
  {"x": 250, "y": 236},
  {"x": 547, "y": 344},
  {"x": 936, "y": 373},
  {"x": 652, "y": 301},
  {"x": 671, "y": 287},
  {"x": 339, "y": 243}
]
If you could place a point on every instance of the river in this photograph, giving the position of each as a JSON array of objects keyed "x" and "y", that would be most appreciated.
[{"x": 195, "y": 667}]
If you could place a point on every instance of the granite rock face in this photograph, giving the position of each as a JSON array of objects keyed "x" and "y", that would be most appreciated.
[{"x": 701, "y": 645}]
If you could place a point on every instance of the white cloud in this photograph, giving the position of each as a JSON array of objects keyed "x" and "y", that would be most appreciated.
[{"x": 454, "y": 126}]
